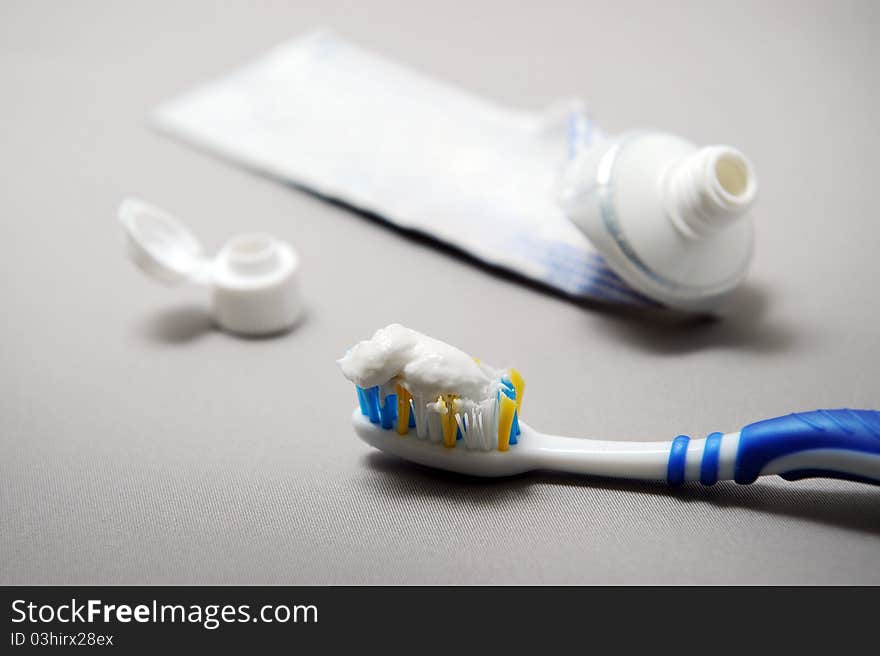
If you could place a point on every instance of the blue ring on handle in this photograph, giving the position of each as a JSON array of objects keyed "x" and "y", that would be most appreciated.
[
  {"x": 677, "y": 458},
  {"x": 709, "y": 464}
]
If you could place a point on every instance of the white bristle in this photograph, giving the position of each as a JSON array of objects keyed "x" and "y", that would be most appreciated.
[
  {"x": 471, "y": 433},
  {"x": 459, "y": 421},
  {"x": 435, "y": 427},
  {"x": 421, "y": 424},
  {"x": 476, "y": 420}
]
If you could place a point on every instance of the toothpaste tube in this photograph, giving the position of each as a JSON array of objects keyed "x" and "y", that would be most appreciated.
[{"x": 510, "y": 187}]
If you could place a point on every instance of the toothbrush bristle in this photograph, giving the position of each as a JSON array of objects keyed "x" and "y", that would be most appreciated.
[{"x": 484, "y": 425}]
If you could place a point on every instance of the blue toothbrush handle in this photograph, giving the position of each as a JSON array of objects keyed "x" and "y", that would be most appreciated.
[{"x": 841, "y": 444}]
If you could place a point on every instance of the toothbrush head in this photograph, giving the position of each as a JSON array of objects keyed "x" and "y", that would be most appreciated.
[
  {"x": 416, "y": 388},
  {"x": 460, "y": 459},
  {"x": 449, "y": 418}
]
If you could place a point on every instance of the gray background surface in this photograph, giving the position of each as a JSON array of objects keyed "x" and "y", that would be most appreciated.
[{"x": 137, "y": 445}]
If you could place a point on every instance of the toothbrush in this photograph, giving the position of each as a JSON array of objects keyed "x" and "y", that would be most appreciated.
[{"x": 843, "y": 443}]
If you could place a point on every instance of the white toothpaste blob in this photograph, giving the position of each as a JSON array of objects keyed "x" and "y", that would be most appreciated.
[
  {"x": 425, "y": 366},
  {"x": 407, "y": 380}
]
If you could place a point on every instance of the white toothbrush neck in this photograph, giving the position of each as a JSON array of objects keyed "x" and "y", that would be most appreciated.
[{"x": 620, "y": 459}]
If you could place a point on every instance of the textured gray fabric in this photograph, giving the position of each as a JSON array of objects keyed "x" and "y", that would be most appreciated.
[{"x": 140, "y": 446}]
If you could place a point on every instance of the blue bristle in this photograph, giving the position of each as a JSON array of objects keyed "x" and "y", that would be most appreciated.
[
  {"x": 508, "y": 388},
  {"x": 388, "y": 411},
  {"x": 458, "y": 435},
  {"x": 412, "y": 414},
  {"x": 510, "y": 391},
  {"x": 372, "y": 398},
  {"x": 362, "y": 400},
  {"x": 514, "y": 428}
]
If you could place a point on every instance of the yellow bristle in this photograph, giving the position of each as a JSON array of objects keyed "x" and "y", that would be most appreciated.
[
  {"x": 448, "y": 420},
  {"x": 403, "y": 410},
  {"x": 519, "y": 386},
  {"x": 505, "y": 421}
]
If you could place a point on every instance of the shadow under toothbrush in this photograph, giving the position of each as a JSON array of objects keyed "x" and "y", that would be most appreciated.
[
  {"x": 657, "y": 329},
  {"x": 856, "y": 509}
]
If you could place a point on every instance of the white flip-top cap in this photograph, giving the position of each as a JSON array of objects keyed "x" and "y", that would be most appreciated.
[{"x": 254, "y": 278}]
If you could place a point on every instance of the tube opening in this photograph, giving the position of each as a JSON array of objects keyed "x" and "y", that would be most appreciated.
[
  {"x": 710, "y": 189},
  {"x": 733, "y": 174}
]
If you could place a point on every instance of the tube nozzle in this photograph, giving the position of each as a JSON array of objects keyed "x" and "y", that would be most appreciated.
[{"x": 709, "y": 190}]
